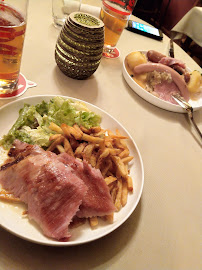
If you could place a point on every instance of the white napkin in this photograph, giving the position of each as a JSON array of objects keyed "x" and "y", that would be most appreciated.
[
  {"x": 71, "y": 6},
  {"x": 91, "y": 10}
]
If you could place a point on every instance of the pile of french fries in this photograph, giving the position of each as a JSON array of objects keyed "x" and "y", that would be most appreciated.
[{"x": 102, "y": 149}]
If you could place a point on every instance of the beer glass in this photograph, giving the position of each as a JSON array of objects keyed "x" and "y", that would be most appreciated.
[
  {"x": 13, "y": 20},
  {"x": 115, "y": 15}
]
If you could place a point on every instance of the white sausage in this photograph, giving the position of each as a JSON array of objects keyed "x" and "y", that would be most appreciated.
[{"x": 178, "y": 80}]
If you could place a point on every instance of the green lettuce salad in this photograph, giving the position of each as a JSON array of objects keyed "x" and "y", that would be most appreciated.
[{"x": 32, "y": 125}]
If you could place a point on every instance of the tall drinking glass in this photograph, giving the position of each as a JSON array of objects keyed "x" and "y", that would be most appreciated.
[
  {"x": 115, "y": 15},
  {"x": 13, "y": 20}
]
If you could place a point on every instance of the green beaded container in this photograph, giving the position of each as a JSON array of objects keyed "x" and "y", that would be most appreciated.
[{"x": 79, "y": 46}]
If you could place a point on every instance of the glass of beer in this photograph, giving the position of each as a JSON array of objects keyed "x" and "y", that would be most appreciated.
[
  {"x": 13, "y": 19},
  {"x": 115, "y": 15}
]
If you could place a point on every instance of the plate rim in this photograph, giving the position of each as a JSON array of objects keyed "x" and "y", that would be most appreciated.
[
  {"x": 74, "y": 243},
  {"x": 147, "y": 96}
]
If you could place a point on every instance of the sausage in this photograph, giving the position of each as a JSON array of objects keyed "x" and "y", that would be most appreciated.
[
  {"x": 154, "y": 56},
  {"x": 182, "y": 71},
  {"x": 178, "y": 80}
]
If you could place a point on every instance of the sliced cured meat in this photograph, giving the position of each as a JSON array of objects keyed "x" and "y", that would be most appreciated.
[
  {"x": 51, "y": 190},
  {"x": 165, "y": 91},
  {"x": 97, "y": 200},
  {"x": 169, "y": 61}
]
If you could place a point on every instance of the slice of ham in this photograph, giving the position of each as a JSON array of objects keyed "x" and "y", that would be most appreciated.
[
  {"x": 169, "y": 61},
  {"x": 51, "y": 190},
  {"x": 165, "y": 91},
  {"x": 97, "y": 200},
  {"x": 177, "y": 79}
]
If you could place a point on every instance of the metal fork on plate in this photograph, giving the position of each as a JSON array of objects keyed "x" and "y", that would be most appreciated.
[{"x": 185, "y": 105}]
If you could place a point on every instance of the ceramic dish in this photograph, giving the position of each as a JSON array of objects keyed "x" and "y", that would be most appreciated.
[
  {"x": 11, "y": 213},
  {"x": 196, "y": 104}
]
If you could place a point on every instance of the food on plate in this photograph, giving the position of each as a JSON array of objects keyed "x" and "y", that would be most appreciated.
[
  {"x": 175, "y": 77},
  {"x": 83, "y": 174},
  {"x": 195, "y": 82},
  {"x": 134, "y": 59},
  {"x": 163, "y": 76},
  {"x": 32, "y": 125},
  {"x": 154, "y": 56},
  {"x": 55, "y": 187}
]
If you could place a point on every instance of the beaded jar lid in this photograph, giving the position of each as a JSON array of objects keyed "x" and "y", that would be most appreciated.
[{"x": 79, "y": 46}]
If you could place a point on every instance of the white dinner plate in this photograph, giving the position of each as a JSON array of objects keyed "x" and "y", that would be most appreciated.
[
  {"x": 196, "y": 104},
  {"x": 11, "y": 213}
]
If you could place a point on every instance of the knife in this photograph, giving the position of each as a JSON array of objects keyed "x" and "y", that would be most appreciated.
[{"x": 171, "y": 49}]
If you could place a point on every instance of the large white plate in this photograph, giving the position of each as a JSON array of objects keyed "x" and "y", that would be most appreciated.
[
  {"x": 11, "y": 213},
  {"x": 196, "y": 104}
]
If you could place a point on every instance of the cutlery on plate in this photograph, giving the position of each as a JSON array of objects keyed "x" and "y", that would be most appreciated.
[{"x": 186, "y": 106}]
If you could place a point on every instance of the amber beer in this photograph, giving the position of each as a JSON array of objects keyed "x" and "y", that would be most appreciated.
[
  {"x": 12, "y": 32},
  {"x": 114, "y": 24}
]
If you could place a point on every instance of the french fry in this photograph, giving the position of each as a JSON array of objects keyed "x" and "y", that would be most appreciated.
[
  {"x": 87, "y": 152},
  {"x": 104, "y": 154},
  {"x": 60, "y": 148},
  {"x": 71, "y": 132},
  {"x": 85, "y": 130},
  {"x": 68, "y": 148},
  {"x": 89, "y": 138},
  {"x": 114, "y": 151},
  {"x": 93, "y": 222},
  {"x": 118, "y": 195},
  {"x": 124, "y": 195},
  {"x": 95, "y": 129},
  {"x": 58, "y": 141},
  {"x": 74, "y": 143},
  {"x": 66, "y": 130},
  {"x": 126, "y": 160},
  {"x": 107, "y": 167},
  {"x": 130, "y": 183},
  {"x": 77, "y": 128},
  {"x": 121, "y": 169},
  {"x": 114, "y": 192},
  {"x": 124, "y": 153},
  {"x": 100, "y": 133},
  {"x": 54, "y": 137},
  {"x": 79, "y": 150},
  {"x": 55, "y": 128},
  {"x": 93, "y": 160},
  {"x": 110, "y": 179},
  {"x": 122, "y": 141}
]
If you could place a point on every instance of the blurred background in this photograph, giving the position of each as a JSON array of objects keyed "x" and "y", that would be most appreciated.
[{"x": 165, "y": 14}]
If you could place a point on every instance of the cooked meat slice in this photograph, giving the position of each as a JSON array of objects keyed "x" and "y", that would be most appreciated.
[
  {"x": 97, "y": 200},
  {"x": 51, "y": 190},
  {"x": 165, "y": 90}
]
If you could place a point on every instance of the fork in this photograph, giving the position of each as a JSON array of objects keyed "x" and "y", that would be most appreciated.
[{"x": 185, "y": 105}]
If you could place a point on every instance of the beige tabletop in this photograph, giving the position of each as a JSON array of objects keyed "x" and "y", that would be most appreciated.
[{"x": 163, "y": 233}]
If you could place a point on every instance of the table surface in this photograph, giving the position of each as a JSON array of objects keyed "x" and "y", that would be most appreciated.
[{"x": 164, "y": 230}]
